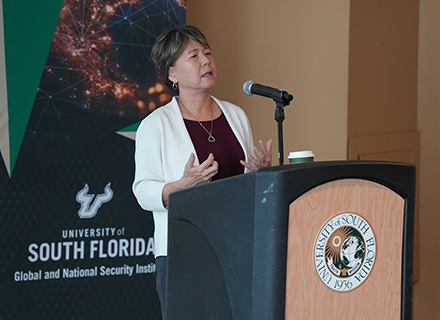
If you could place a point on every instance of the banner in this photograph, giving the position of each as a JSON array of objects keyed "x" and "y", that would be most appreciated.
[{"x": 74, "y": 243}]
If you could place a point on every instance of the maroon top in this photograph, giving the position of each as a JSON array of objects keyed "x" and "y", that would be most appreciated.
[{"x": 226, "y": 149}]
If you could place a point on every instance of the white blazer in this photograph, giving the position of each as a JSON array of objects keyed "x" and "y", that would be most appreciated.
[{"x": 163, "y": 147}]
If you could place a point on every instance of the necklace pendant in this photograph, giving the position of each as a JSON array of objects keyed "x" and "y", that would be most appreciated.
[{"x": 210, "y": 136}]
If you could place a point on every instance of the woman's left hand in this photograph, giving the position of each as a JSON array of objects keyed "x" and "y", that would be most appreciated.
[{"x": 262, "y": 159}]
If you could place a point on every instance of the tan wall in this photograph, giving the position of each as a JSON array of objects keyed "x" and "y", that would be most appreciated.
[
  {"x": 302, "y": 46},
  {"x": 427, "y": 291},
  {"x": 382, "y": 104},
  {"x": 383, "y": 67},
  {"x": 298, "y": 46}
]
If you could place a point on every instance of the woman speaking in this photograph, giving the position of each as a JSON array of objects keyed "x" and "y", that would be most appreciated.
[{"x": 194, "y": 139}]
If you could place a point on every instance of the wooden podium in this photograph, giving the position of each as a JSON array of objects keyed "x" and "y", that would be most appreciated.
[{"x": 323, "y": 240}]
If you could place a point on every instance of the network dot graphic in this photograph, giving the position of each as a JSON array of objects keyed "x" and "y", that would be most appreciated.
[{"x": 99, "y": 70}]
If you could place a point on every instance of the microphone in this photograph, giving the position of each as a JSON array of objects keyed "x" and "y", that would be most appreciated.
[{"x": 250, "y": 87}]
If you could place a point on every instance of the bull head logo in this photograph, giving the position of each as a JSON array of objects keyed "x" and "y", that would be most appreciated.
[{"x": 90, "y": 203}]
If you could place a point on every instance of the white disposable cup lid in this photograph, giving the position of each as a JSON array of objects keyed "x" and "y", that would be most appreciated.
[{"x": 300, "y": 154}]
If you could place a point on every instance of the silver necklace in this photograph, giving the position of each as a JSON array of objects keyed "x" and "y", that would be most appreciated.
[{"x": 210, "y": 137}]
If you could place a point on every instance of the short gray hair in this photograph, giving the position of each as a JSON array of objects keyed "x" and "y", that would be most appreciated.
[{"x": 170, "y": 45}]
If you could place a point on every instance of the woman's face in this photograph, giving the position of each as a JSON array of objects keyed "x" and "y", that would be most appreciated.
[{"x": 195, "y": 69}]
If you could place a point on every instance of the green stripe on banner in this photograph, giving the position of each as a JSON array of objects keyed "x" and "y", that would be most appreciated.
[
  {"x": 130, "y": 131},
  {"x": 4, "y": 118},
  {"x": 131, "y": 128},
  {"x": 28, "y": 31}
]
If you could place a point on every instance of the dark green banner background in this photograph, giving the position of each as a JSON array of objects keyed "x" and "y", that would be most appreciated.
[{"x": 74, "y": 243}]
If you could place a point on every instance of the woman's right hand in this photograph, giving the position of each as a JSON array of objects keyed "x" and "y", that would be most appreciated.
[{"x": 192, "y": 176}]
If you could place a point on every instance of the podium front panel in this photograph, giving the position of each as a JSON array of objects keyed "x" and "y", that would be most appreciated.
[{"x": 331, "y": 282}]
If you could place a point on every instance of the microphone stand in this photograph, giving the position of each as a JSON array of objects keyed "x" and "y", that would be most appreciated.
[
  {"x": 279, "y": 118},
  {"x": 281, "y": 101}
]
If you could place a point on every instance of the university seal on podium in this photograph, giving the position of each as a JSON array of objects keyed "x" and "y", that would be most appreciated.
[{"x": 344, "y": 252}]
